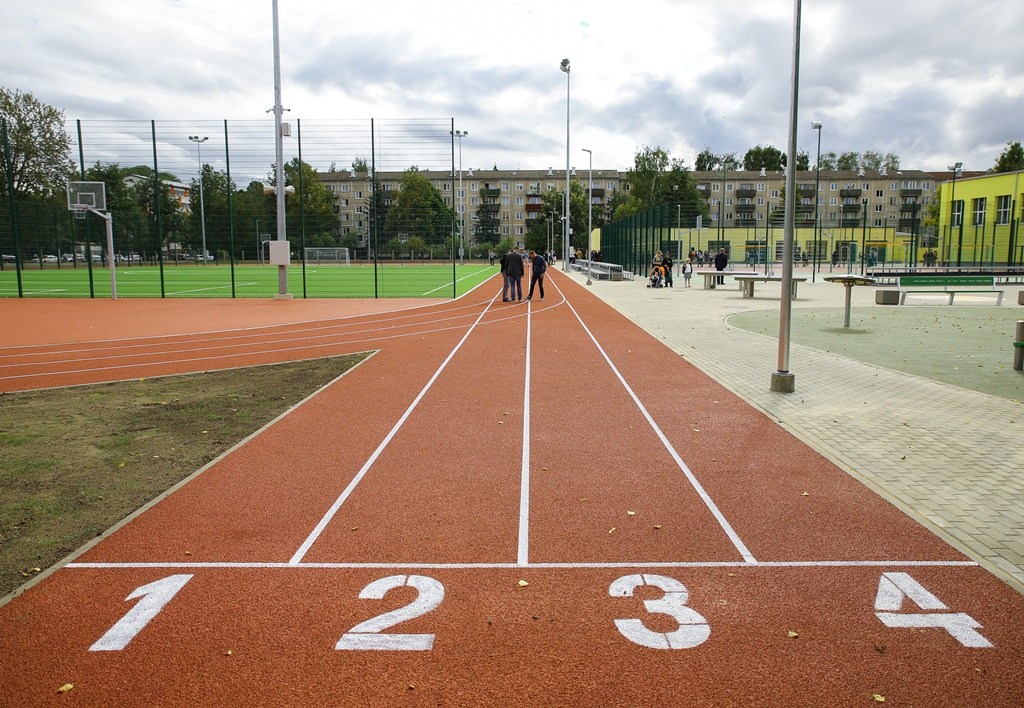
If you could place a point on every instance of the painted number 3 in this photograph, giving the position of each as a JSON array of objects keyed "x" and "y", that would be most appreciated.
[{"x": 693, "y": 628}]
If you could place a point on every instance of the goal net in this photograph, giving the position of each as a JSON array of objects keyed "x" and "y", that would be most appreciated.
[{"x": 338, "y": 255}]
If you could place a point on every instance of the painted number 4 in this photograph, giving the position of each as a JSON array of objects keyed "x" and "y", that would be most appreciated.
[
  {"x": 893, "y": 587},
  {"x": 693, "y": 628}
]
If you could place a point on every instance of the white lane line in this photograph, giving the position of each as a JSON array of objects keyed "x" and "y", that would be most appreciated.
[
  {"x": 554, "y": 566},
  {"x": 450, "y": 283},
  {"x": 307, "y": 544},
  {"x": 712, "y": 507},
  {"x": 523, "y": 557}
]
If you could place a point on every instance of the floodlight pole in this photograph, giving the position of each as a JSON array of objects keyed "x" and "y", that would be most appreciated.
[
  {"x": 202, "y": 205},
  {"x": 952, "y": 205},
  {"x": 282, "y": 269},
  {"x": 783, "y": 380},
  {"x": 590, "y": 207},
  {"x": 816, "y": 125},
  {"x": 460, "y": 134},
  {"x": 568, "y": 228}
]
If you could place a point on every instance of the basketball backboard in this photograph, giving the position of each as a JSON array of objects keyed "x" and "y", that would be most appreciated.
[{"x": 87, "y": 196}]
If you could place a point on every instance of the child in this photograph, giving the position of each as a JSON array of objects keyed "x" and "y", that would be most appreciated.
[{"x": 687, "y": 272}]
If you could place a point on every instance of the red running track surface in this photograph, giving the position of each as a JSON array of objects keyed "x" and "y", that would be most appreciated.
[{"x": 560, "y": 510}]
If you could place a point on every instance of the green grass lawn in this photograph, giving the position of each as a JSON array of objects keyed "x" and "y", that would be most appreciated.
[{"x": 196, "y": 280}]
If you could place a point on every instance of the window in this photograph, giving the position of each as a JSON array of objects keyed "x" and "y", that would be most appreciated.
[
  {"x": 447, "y": 187},
  {"x": 879, "y": 194},
  {"x": 344, "y": 202},
  {"x": 519, "y": 201},
  {"x": 833, "y": 187},
  {"x": 878, "y": 222},
  {"x": 926, "y": 185},
  {"x": 760, "y": 201},
  {"x": 832, "y": 201},
  {"x": 775, "y": 194},
  {"x": 1003, "y": 209},
  {"x": 344, "y": 187},
  {"x": 474, "y": 187},
  {"x": 760, "y": 216},
  {"x": 728, "y": 201},
  {"x": 505, "y": 201},
  {"x": 519, "y": 231},
  {"x": 760, "y": 186},
  {"x": 519, "y": 216},
  {"x": 519, "y": 186},
  {"x": 979, "y": 212},
  {"x": 474, "y": 201},
  {"x": 878, "y": 208},
  {"x": 867, "y": 186},
  {"x": 715, "y": 187},
  {"x": 359, "y": 208},
  {"x": 729, "y": 187},
  {"x": 504, "y": 185},
  {"x": 714, "y": 201},
  {"x": 359, "y": 194},
  {"x": 460, "y": 193},
  {"x": 609, "y": 185},
  {"x": 728, "y": 216},
  {"x": 893, "y": 186},
  {"x": 714, "y": 216}
]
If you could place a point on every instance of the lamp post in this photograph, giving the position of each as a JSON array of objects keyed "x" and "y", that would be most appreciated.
[
  {"x": 460, "y": 134},
  {"x": 567, "y": 231},
  {"x": 952, "y": 215},
  {"x": 202, "y": 205},
  {"x": 590, "y": 207},
  {"x": 278, "y": 109},
  {"x": 816, "y": 125}
]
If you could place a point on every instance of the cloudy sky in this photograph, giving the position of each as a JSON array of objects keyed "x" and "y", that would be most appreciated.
[{"x": 935, "y": 81}]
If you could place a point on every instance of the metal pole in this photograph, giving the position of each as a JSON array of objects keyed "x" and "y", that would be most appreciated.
[
  {"x": 202, "y": 204},
  {"x": 590, "y": 207},
  {"x": 1018, "y": 347},
  {"x": 783, "y": 380},
  {"x": 567, "y": 231},
  {"x": 282, "y": 269},
  {"x": 815, "y": 264}
]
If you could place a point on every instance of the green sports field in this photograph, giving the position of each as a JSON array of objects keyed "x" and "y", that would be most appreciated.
[{"x": 196, "y": 280}]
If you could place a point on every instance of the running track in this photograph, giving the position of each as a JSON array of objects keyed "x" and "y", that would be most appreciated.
[{"x": 556, "y": 508}]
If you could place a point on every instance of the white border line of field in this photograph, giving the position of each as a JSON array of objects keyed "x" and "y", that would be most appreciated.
[
  {"x": 523, "y": 553},
  {"x": 256, "y": 565},
  {"x": 319, "y": 529}
]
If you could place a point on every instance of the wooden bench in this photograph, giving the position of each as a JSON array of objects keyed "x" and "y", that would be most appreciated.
[
  {"x": 747, "y": 282},
  {"x": 930, "y": 284}
]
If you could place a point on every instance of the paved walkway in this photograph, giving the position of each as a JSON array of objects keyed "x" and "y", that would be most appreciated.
[{"x": 948, "y": 456}]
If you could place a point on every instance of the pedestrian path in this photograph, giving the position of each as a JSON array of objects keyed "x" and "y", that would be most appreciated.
[{"x": 950, "y": 457}]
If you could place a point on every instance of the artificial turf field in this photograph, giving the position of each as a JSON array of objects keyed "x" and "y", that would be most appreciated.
[{"x": 196, "y": 280}]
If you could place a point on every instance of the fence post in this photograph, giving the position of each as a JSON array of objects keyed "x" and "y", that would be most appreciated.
[{"x": 1018, "y": 348}]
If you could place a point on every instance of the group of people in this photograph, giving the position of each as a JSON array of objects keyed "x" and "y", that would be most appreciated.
[
  {"x": 513, "y": 268},
  {"x": 661, "y": 267}
]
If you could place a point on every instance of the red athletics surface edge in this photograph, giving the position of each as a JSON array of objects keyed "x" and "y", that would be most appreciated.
[{"x": 775, "y": 567}]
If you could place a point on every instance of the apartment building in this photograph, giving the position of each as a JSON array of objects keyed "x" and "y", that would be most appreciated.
[{"x": 505, "y": 202}]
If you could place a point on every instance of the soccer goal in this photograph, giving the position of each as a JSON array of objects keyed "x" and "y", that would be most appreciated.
[{"x": 337, "y": 255}]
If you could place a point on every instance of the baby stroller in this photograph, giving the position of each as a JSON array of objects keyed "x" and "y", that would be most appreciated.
[{"x": 655, "y": 281}]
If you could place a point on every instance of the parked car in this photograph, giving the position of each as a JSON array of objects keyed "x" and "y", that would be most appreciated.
[{"x": 50, "y": 259}]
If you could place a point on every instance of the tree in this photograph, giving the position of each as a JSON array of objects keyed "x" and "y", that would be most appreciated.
[
  {"x": 419, "y": 210},
  {"x": 1011, "y": 159},
  {"x": 767, "y": 158},
  {"x": 848, "y": 161},
  {"x": 706, "y": 161},
  {"x": 872, "y": 160},
  {"x": 39, "y": 148},
  {"x": 827, "y": 162}
]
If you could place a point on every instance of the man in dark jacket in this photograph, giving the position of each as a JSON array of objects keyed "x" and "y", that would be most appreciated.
[
  {"x": 537, "y": 267},
  {"x": 503, "y": 265},
  {"x": 514, "y": 270},
  {"x": 721, "y": 261}
]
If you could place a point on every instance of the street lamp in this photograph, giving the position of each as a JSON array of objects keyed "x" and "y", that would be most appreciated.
[
  {"x": 564, "y": 66},
  {"x": 460, "y": 134},
  {"x": 952, "y": 205},
  {"x": 590, "y": 207},
  {"x": 816, "y": 125},
  {"x": 202, "y": 206}
]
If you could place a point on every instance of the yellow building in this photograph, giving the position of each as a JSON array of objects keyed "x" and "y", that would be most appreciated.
[{"x": 979, "y": 220}]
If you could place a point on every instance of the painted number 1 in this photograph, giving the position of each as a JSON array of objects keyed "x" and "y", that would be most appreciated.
[
  {"x": 154, "y": 596},
  {"x": 693, "y": 628},
  {"x": 367, "y": 635}
]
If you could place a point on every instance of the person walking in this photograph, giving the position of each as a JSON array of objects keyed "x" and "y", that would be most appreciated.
[
  {"x": 666, "y": 266},
  {"x": 721, "y": 261},
  {"x": 514, "y": 269},
  {"x": 537, "y": 268},
  {"x": 687, "y": 272}
]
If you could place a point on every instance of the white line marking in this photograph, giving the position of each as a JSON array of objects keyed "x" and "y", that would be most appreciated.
[
  {"x": 459, "y": 280},
  {"x": 712, "y": 507},
  {"x": 543, "y": 566},
  {"x": 523, "y": 557},
  {"x": 307, "y": 544}
]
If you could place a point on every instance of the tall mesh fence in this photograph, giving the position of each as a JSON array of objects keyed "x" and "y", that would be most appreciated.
[{"x": 162, "y": 218}]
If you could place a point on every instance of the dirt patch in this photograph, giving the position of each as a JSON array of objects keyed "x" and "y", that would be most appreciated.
[{"x": 75, "y": 461}]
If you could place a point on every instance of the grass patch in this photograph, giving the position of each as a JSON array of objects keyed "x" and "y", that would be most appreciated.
[{"x": 75, "y": 461}]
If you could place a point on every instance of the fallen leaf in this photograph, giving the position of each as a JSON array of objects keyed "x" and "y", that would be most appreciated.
[
  {"x": 805, "y": 494},
  {"x": 878, "y": 698},
  {"x": 904, "y": 457},
  {"x": 612, "y": 529},
  {"x": 355, "y": 528},
  {"x": 523, "y": 583},
  {"x": 658, "y": 526},
  {"x": 631, "y": 513},
  {"x": 227, "y": 653},
  {"x": 545, "y": 469},
  {"x": 188, "y": 553},
  {"x": 793, "y": 634},
  {"x": 65, "y": 688}
]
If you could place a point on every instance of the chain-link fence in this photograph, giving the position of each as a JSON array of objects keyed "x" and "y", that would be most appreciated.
[{"x": 193, "y": 211}]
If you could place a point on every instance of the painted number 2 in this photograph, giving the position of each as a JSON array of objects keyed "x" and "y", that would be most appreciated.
[
  {"x": 367, "y": 635},
  {"x": 693, "y": 628}
]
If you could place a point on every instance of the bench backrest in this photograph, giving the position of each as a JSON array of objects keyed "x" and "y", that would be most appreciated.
[{"x": 910, "y": 281}]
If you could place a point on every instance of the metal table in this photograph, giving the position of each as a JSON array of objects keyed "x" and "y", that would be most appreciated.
[{"x": 849, "y": 280}]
